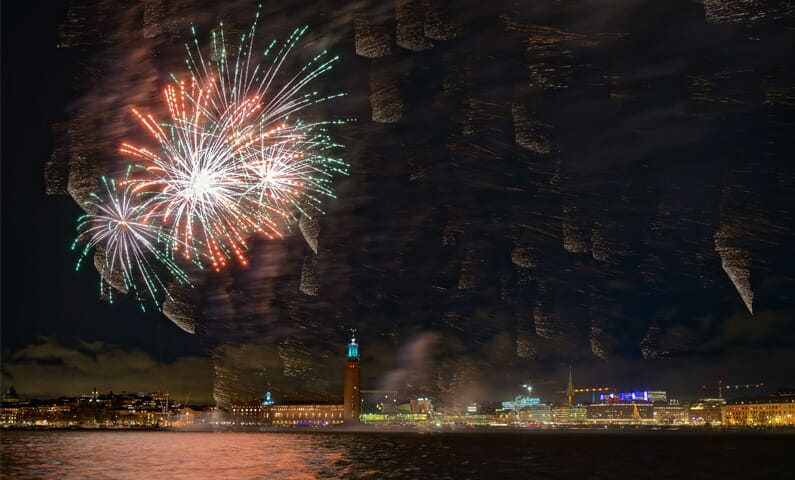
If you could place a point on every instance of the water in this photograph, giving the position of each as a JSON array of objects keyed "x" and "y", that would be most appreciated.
[{"x": 538, "y": 455}]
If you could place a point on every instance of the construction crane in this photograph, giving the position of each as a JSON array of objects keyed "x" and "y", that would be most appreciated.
[
  {"x": 721, "y": 387},
  {"x": 592, "y": 390},
  {"x": 745, "y": 386}
]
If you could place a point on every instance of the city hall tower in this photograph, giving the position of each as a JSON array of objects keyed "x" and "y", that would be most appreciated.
[{"x": 352, "y": 401}]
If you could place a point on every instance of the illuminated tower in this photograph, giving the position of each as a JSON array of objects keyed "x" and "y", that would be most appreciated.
[
  {"x": 570, "y": 390},
  {"x": 352, "y": 402}
]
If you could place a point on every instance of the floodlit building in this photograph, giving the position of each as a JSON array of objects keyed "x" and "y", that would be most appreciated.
[
  {"x": 186, "y": 417},
  {"x": 565, "y": 414},
  {"x": 657, "y": 396},
  {"x": 520, "y": 403},
  {"x": 254, "y": 414},
  {"x": 246, "y": 414},
  {"x": 620, "y": 412},
  {"x": 670, "y": 414},
  {"x": 706, "y": 411},
  {"x": 772, "y": 411},
  {"x": 10, "y": 416},
  {"x": 642, "y": 395},
  {"x": 538, "y": 413},
  {"x": 316, "y": 414}
]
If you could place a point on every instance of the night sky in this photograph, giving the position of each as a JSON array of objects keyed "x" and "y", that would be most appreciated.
[{"x": 597, "y": 183}]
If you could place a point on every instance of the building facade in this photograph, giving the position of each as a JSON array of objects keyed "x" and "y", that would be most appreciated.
[
  {"x": 621, "y": 412},
  {"x": 304, "y": 414},
  {"x": 656, "y": 396},
  {"x": 255, "y": 414},
  {"x": 706, "y": 411},
  {"x": 772, "y": 411},
  {"x": 670, "y": 414},
  {"x": 564, "y": 414}
]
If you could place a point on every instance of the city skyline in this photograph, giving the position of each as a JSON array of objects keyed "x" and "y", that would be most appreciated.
[
  {"x": 572, "y": 394},
  {"x": 390, "y": 409}
]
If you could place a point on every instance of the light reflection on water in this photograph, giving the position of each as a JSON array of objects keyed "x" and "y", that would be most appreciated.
[
  {"x": 137, "y": 455},
  {"x": 184, "y": 455}
]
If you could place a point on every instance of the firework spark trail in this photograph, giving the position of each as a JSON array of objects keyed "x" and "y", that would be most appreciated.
[
  {"x": 119, "y": 225},
  {"x": 232, "y": 161}
]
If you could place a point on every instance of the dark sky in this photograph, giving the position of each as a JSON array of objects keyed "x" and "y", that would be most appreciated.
[{"x": 590, "y": 183}]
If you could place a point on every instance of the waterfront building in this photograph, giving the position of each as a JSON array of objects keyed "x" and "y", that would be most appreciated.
[
  {"x": 642, "y": 395},
  {"x": 636, "y": 395},
  {"x": 312, "y": 414},
  {"x": 186, "y": 417},
  {"x": 564, "y": 414},
  {"x": 9, "y": 416},
  {"x": 255, "y": 414},
  {"x": 620, "y": 412},
  {"x": 561, "y": 414},
  {"x": 670, "y": 414},
  {"x": 657, "y": 396},
  {"x": 246, "y": 414},
  {"x": 351, "y": 390},
  {"x": 520, "y": 403},
  {"x": 539, "y": 413},
  {"x": 706, "y": 411},
  {"x": 578, "y": 413},
  {"x": 773, "y": 410}
]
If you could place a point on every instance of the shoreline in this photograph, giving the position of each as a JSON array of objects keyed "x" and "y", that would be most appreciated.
[{"x": 628, "y": 430}]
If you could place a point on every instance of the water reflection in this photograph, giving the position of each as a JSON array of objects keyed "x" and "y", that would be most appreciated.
[
  {"x": 136, "y": 455},
  {"x": 589, "y": 455}
]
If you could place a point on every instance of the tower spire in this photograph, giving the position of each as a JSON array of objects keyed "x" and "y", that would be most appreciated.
[{"x": 570, "y": 390}]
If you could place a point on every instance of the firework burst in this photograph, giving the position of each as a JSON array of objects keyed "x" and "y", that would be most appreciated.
[
  {"x": 234, "y": 159},
  {"x": 128, "y": 240}
]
